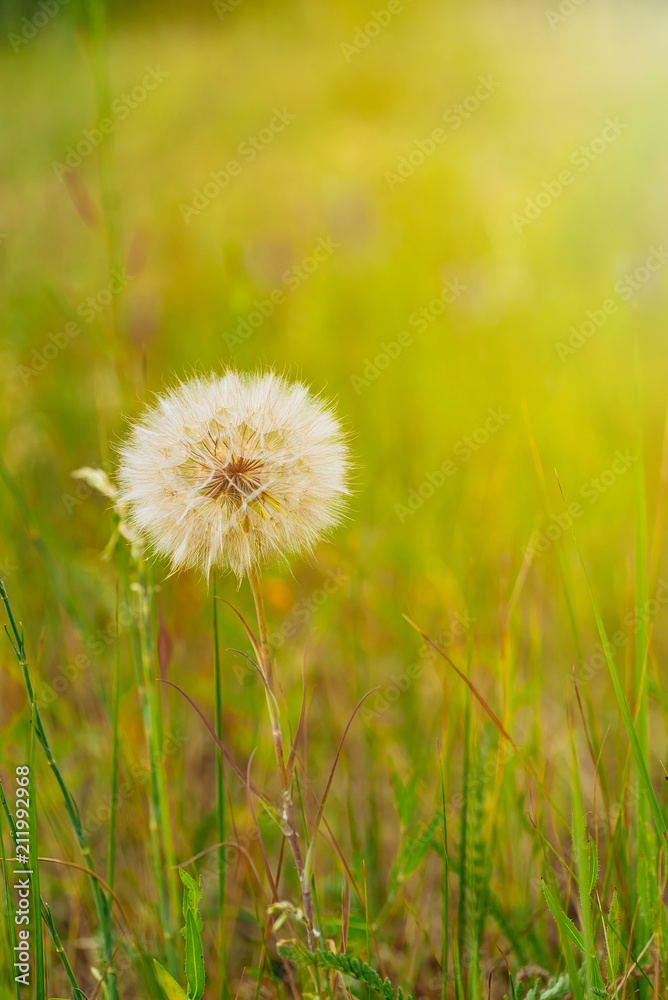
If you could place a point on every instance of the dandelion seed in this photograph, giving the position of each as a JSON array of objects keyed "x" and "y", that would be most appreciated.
[{"x": 234, "y": 470}]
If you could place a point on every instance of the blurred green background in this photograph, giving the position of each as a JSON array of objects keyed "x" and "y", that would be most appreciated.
[{"x": 360, "y": 92}]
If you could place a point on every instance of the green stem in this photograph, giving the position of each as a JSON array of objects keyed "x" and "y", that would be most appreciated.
[
  {"x": 220, "y": 797},
  {"x": 288, "y": 809},
  {"x": 101, "y": 904},
  {"x": 157, "y": 813},
  {"x": 114, "y": 750},
  {"x": 46, "y": 913}
]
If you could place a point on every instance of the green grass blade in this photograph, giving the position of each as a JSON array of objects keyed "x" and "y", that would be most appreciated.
[
  {"x": 641, "y": 815},
  {"x": 8, "y": 903},
  {"x": 445, "y": 891},
  {"x": 585, "y": 875},
  {"x": 220, "y": 801},
  {"x": 36, "y": 915},
  {"x": 646, "y": 783},
  {"x": 15, "y": 635},
  {"x": 77, "y": 993},
  {"x": 462, "y": 907},
  {"x": 570, "y": 936},
  {"x": 111, "y": 855}
]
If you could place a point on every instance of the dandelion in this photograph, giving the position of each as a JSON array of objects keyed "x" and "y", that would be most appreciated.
[{"x": 230, "y": 471}]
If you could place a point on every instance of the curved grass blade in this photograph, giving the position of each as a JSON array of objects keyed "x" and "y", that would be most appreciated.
[
  {"x": 308, "y": 864},
  {"x": 497, "y": 722},
  {"x": 641, "y": 763}
]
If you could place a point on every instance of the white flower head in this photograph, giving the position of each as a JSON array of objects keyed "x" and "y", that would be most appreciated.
[{"x": 233, "y": 470}]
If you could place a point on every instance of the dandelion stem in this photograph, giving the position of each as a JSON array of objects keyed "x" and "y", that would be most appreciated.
[
  {"x": 220, "y": 802},
  {"x": 288, "y": 809},
  {"x": 254, "y": 580}
]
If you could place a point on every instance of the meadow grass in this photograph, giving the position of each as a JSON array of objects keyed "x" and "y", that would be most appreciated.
[{"x": 496, "y": 821}]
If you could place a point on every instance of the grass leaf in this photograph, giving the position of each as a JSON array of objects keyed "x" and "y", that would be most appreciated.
[{"x": 172, "y": 989}]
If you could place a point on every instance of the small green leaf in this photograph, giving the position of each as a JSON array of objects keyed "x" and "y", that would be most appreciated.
[
  {"x": 195, "y": 973},
  {"x": 593, "y": 866},
  {"x": 361, "y": 971},
  {"x": 405, "y": 796},
  {"x": 413, "y": 850},
  {"x": 168, "y": 983},
  {"x": 613, "y": 938},
  {"x": 563, "y": 922},
  {"x": 192, "y": 892}
]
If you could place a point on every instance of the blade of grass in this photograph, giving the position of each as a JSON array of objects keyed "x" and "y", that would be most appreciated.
[
  {"x": 641, "y": 816},
  {"x": 308, "y": 863},
  {"x": 566, "y": 591},
  {"x": 138, "y": 643},
  {"x": 8, "y": 903},
  {"x": 163, "y": 857},
  {"x": 584, "y": 874},
  {"x": 497, "y": 722},
  {"x": 16, "y": 639},
  {"x": 165, "y": 817},
  {"x": 646, "y": 782},
  {"x": 220, "y": 800},
  {"x": 111, "y": 853},
  {"x": 366, "y": 922},
  {"x": 40, "y": 969},
  {"x": 445, "y": 890},
  {"x": 46, "y": 913},
  {"x": 462, "y": 907}
]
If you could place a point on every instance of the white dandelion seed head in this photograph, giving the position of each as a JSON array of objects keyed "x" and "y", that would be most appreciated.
[{"x": 234, "y": 470}]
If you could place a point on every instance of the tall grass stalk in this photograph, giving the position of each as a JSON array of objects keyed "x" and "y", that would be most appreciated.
[
  {"x": 44, "y": 909},
  {"x": 40, "y": 966},
  {"x": 110, "y": 197},
  {"x": 646, "y": 787},
  {"x": 641, "y": 699},
  {"x": 101, "y": 904},
  {"x": 11, "y": 936},
  {"x": 445, "y": 889},
  {"x": 220, "y": 801},
  {"x": 161, "y": 838},
  {"x": 111, "y": 851}
]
